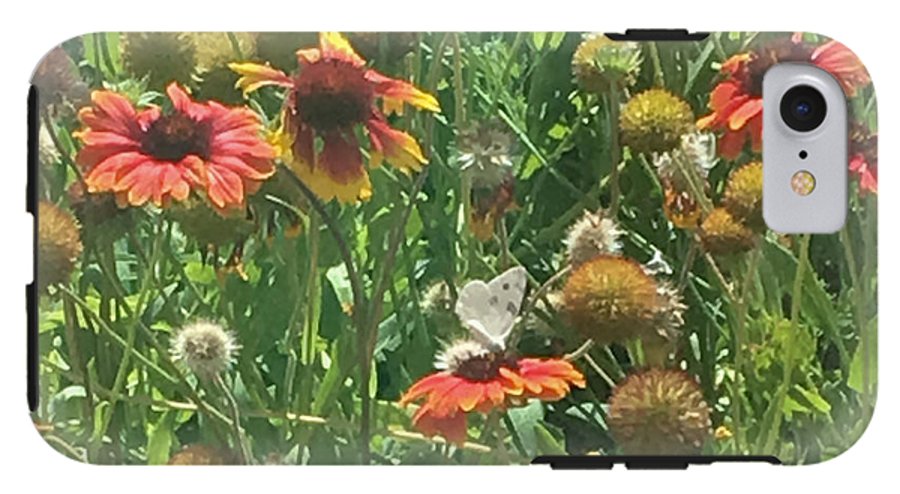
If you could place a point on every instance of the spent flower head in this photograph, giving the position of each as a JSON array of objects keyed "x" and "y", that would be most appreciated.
[{"x": 205, "y": 347}]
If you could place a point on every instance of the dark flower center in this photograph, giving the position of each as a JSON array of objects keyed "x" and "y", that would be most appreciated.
[
  {"x": 485, "y": 367},
  {"x": 174, "y": 136},
  {"x": 332, "y": 95}
]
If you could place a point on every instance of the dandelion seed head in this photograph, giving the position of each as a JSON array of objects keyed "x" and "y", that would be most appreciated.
[{"x": 206, "y": 348}]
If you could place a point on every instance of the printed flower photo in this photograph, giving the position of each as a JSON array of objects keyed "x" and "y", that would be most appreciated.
[{"x": 439, "y": 248}]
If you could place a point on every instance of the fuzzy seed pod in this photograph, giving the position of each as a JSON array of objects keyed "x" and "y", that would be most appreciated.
[
  {"x": 591, "y": 236},
  {"x": 58, "y": 81},
  {"x": 722, "y": 234},
  {"x": 160, "y": 57},
  {"x": 206, "y": 348},
  {"x": 280, "y": 49},
  {"x": 743, "y": 195},
  {"x": 207, "y": 227},
  {"x": 59, "y": 244},
  {"x": 485, "y": 153},
  {"x": 101, "y": 219},
  {"x": 613, "y": 299},
  {"x": 659, "y": 412},
  {"x": 214, "y": 52},
  {"x": 600, "y": 64},
  {"x": 654, "y": 121},
  {"x": 198, "y": 454},
  {"x": 217, "y": 49}
]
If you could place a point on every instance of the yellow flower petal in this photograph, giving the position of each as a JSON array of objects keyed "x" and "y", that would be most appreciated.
[
  {"x": 327, "y": 189},
  {"x": 255, "y": 76},
  {"x": 337, "y": 43},
  {"x": 392, "y": 105}
]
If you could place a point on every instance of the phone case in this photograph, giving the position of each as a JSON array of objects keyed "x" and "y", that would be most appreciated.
[{"x": 438, "y": 248}]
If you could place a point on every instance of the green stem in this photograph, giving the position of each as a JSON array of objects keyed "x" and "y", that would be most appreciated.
[
  {"x": 162, "y": 352},
  {"x": 503, "y": 236},
  {"x": 858, "y": 307},
  {"x": 490, "y": 435},
  {"x": 459, "y": 96},
  {"x": 740, "y": 342},
  {"x": 789, "y": 359},
  {"x": 368, "y": 335},
  {"x": 615, "y": 151},
  {"x": 659, "y": 77},
  {"x": 514, "y": 434},
  {"x": 239, "y": 435},
  {"x": 131, "y": 334},
  {"x": 599, "y": 370}
]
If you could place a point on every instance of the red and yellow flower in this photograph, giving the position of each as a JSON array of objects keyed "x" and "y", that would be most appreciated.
[
  {"x": 736, "y": 102},
  {"x": 481, "y": 381},
  {"x": 864, "y": 158},
  {"x": 330, "y": 97},
  {"x": 155, "y": 155}
]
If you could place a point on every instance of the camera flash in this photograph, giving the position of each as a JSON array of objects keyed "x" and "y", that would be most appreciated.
[{"x": 803, "y": 183}]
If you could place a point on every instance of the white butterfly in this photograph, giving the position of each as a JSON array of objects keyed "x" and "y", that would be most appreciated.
[{"x": 489, "y": 310}]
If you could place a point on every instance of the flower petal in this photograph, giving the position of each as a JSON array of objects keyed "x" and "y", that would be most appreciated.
[
  {"x": 398, "y": 147},
  {"x": 395, "y": 89},
  {"x": 255, "y": 76},
  {"x": 335, "y": 45},
  {"x": 750, "y": 109},
  {"x": 842, "y": 63},
  {"x": 452, "y": 427}
]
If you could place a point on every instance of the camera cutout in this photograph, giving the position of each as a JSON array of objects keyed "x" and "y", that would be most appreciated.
[{"x": 804, "y": 115}]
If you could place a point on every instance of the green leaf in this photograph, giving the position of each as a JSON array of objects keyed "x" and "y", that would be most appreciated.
[
  {"x": 815, "y": 399},
  {"x": 791, "y": 405},
  {"x": 159, "y": 440},
  {"x": 547, "y": 444},
  {"x": 694, "y": 66},
  {"x": 199, "y": 273},
  {"x": 341, "y": 284},
  {"x": 556, "y": 39},
  {"x": 524, "y": 421},
  {"x": 862, "y": 362},
  {"x": 558, "y": 131},
  {"x": 538, "y": 39}
]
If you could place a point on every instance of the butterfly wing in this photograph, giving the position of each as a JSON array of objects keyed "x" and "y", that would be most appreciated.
[{"x": 490, "y": 309}]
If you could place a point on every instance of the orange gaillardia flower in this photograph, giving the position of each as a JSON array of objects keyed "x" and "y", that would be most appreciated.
[
  {"x": 159, "y": 155},
  {"x": 736, "y": 102},
  {"x": 476, "y": 379},
  {"x": 331, "y": 96}
]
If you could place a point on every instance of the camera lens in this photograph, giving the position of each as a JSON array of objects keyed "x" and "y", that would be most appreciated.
[{"x": 803, "y": 108}]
